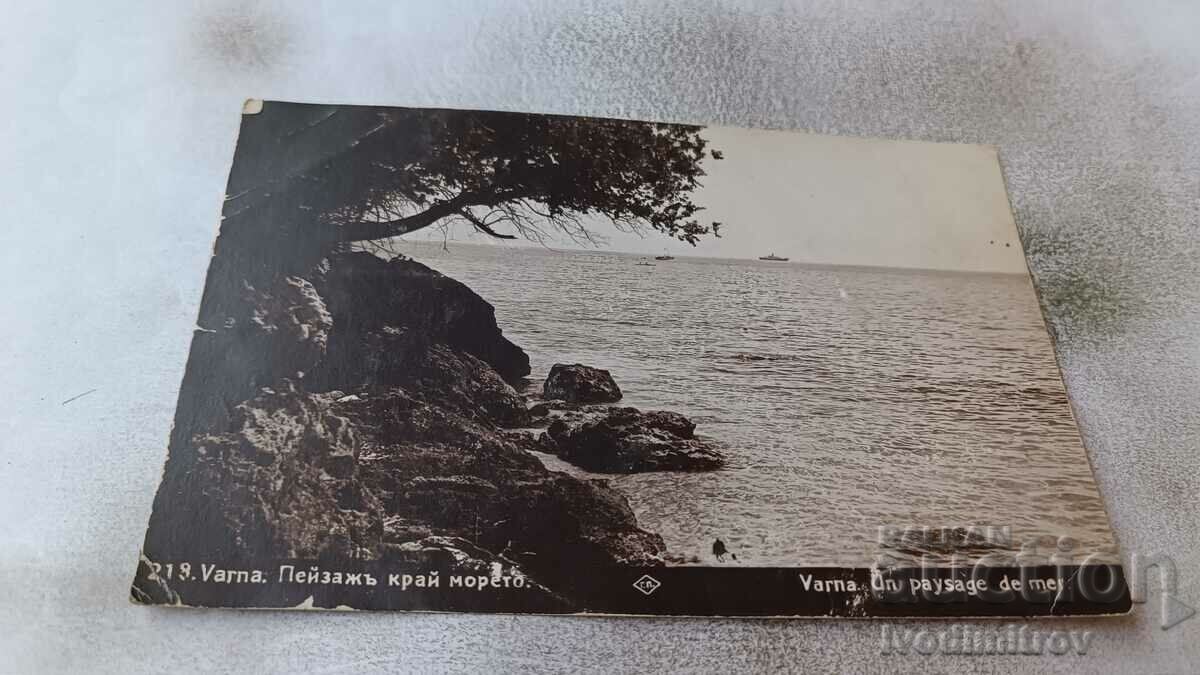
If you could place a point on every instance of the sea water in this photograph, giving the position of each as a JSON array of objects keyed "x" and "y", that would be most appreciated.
[{"x": 847, "y": 399}]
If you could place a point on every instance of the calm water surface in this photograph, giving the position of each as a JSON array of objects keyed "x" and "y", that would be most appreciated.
[{"x": 847, "y": 398}]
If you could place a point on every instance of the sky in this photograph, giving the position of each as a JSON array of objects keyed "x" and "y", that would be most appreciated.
[{"x": 839, "y": 200}]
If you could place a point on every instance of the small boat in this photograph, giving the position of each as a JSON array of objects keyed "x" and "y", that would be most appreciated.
[
  {"x": 664, "y": 257},
  {"x": 645, "y": 264},
  {"x": 772, "y": 257}
]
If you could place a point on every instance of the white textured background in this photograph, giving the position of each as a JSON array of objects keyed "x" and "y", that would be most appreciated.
[{"x": 119, "y": 124}]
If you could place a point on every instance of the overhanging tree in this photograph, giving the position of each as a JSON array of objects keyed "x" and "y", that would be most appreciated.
[
  {"x": 327, "y": 176},
  {"x": 312, "y": 180}
]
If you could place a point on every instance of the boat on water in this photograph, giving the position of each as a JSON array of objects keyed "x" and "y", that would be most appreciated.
[
  {"x": 772, "y": 257},
  {"x": 645, "y": 264},
  {"x": 664, "y": 257}
]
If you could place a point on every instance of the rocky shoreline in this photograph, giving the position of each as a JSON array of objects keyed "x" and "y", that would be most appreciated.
[{"x": 367, "y": 411}]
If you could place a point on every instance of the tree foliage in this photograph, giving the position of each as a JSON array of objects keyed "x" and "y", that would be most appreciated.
[{"x": 349, "y": 174}]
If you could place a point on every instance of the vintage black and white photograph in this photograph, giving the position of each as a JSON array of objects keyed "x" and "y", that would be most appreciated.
[{"x": 494, "y": 361}]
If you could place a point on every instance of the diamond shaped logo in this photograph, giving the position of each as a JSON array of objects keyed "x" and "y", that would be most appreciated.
[{"x": 647, "y": 584}]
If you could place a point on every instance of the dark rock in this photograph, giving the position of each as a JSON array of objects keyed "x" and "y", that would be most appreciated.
[
  {"x": 462, "y": 382},
  {"x": 550, "y": 405},
  {"x": 366, "y": 293},
  {"x": 532, "y": 440},
  {"x": 364, "y": 415},
  {"x": 398, "y": 529},
  {"x": 278, "y": 330},
  {"x": 389, "y": 358},
  {"x": 281, "y": 482},
  {"x": 578, "y": 383},
  {"x": 626, "y": 440},
  {"x": 461, "y": 477},
  {"x": 335, "y": 476},
  {"x": 670, "y": 422},
  {"x": 376, "y": 357},
  {"x": 293, "y": 323}
]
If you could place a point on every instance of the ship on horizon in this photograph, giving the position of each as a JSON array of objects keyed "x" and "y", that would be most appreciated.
[{"x": 772, "y": 257}]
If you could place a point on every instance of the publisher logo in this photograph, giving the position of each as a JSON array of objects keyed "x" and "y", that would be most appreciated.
[{"x": 647, "y": 584}]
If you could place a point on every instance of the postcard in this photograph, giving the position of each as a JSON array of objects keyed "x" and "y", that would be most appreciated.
[{"x": 461, "y": 360}]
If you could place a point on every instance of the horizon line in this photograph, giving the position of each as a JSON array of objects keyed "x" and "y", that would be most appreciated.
[{"x": 525, "y": 244}]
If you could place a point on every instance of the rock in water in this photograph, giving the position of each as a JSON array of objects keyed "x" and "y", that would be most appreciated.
[
  {"x": 627, "y": 440},
  {"x": 578, "y": 383}
]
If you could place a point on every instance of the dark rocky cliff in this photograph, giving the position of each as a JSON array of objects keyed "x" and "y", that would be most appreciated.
[{"x": 361, "y": 412}]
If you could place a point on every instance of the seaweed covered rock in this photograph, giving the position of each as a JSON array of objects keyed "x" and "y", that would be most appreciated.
[
  {"x": 627, "y": 440},
  {"x": 578, "y": 383}
]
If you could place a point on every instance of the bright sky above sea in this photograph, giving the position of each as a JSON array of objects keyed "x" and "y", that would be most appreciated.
[{"x": 836, "y": 200}]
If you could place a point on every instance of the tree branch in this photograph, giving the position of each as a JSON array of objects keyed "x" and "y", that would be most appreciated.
[
  {"x": 455, "y": 206},
  {"x": 482, "y": 226}
]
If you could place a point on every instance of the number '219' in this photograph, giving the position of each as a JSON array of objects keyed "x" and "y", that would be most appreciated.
[{"x": 184, "y": 570}]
